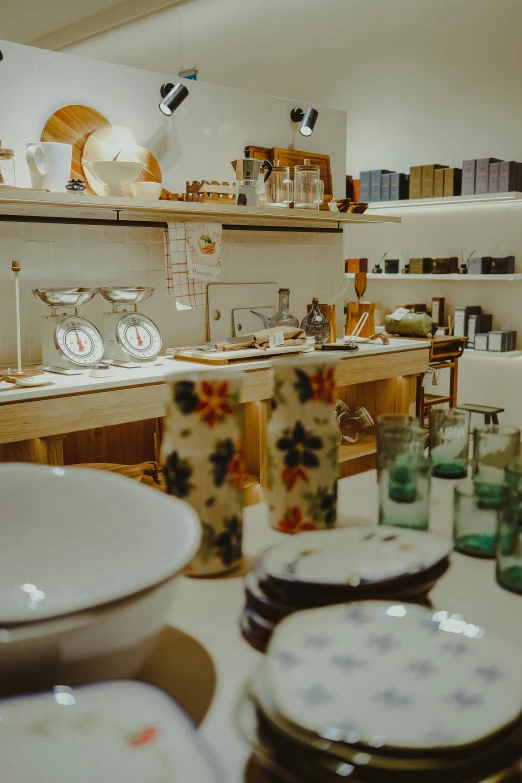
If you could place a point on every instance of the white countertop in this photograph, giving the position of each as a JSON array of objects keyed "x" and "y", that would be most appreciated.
[
  {"x": 209, "y": 610},
  {"x": 157, "y": 371}
]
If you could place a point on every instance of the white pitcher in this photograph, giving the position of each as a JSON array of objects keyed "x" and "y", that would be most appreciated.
[{"x": 49, "y": 165}]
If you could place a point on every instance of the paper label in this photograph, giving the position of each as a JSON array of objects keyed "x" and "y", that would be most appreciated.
[
  {"x": 428, "y": 378},
  {"x": 399, "y": 313},
  {"x": 276, "y": 338},
  {"x": 203, "y": 243}
]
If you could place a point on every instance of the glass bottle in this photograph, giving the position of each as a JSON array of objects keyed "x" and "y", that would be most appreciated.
[
  {"x": 283, "y": 317},
  {"x": 7, "y": 167},
  {"x": 315, "y": 324}
]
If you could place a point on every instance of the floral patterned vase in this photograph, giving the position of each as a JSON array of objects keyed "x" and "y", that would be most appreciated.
[
  {"x": 202, "y": 462},
  {"x": 302, "y": 447}
]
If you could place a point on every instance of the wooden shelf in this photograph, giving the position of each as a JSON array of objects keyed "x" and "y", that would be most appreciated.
[
  {"x": 448, "y": 201},
  {"x": 460, "y": 278},
  {"x": 353, "y": 451},
  {"x": 49, "y": 206}
]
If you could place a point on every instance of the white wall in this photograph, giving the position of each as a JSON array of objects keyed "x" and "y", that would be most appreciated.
[
  {"x": 199, "y": 141},
  {"x": 210, "y": 128}
]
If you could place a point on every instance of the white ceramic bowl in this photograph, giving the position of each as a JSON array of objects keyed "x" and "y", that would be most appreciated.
[
  {"x": 76, "y": 539},
  {"x": 114, "y": 174},
  {"x": 106, "y": 643},
  {"x": 108, "y": 733},
  {"x": 151, "y": 190}
]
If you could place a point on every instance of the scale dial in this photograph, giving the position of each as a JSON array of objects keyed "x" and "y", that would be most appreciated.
[
  {"x": 138, "y": 336},
  {"x": 79, "y": 341}
]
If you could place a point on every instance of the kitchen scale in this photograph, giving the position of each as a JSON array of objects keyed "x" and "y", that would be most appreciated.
[
  {"x": 131, "y": 338},
  {"x": 70, "y": 342}
]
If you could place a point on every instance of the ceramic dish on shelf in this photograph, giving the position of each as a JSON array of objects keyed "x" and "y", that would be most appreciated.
[
  {"x": 295, "y": 757},
  {"x": 418, "y": 680},
  {"x": 339, "y": 205},
  {"x": 65, "y": 526},
  {"x": 351, "y": 561},
  {"x": 114, "y": 175},
  {"x": 108, "y": 732}
]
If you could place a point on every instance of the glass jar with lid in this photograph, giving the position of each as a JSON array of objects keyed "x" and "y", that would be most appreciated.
[
  {"x": 7, "y": 167},
  {"x": 279, "y": 188},
  {"x": 353, "y": 423},
  {"x": 308, "y": 186}
]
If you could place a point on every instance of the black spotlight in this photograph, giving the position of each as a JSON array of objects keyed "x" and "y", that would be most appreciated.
[
  {"x": 172, "y": 96},
  {"x": 307, "y": 120}
]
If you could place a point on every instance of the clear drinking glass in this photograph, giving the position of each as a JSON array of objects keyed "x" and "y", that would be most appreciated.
[
  {"x": 404, "y": 476},
  {"x": 279, "y": 188},
  {"x": 308, "y": 186},
  {"x": 475, "y": 518},
  {"x": 449, "y": 437},
  {"x": 495, "y": 448},
  {"x": 509, "y": 532}
]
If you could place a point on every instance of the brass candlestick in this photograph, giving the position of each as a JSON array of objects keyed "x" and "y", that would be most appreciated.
[{"x": 20, "y": 372}]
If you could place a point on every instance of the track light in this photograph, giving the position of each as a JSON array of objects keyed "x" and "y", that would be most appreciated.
[
  {"x": 307, "y": 120},
  {"x": 173, "y": 96}
]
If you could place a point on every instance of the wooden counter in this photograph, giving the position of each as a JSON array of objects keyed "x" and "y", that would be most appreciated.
[{"x": 34, "y": 422}]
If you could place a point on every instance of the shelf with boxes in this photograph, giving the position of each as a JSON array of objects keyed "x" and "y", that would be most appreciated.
[
  {"x": 435, "y": 277},
  {"x": 491, "y": 178},
  {"x": 448, "y": 201}
]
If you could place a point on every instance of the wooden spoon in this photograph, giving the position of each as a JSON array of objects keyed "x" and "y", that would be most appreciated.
[{"x": 360, "y": 284}]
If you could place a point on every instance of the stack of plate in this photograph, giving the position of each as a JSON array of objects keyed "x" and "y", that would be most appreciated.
[
  {"x": 336, "y": 566},
  {"x": 380, "y": 691}
]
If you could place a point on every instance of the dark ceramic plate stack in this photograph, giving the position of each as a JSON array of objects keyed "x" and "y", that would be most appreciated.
[
  {"x": 385, "y": 692},
  {"x": 336, "y": 566}
]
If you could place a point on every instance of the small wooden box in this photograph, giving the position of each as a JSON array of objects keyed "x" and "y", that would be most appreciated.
[
  {"x": 356, "y": 265},
  {"x": 503, "y": 266},
  {"x": 452, "y": 182},
  {"x": 445, "y": 266},
  {"x": 468, "y": 177},
  {"x": 415, "y": 188},
  {"x": 420, "y": 266},
  {"x": 428, "y": 175}
]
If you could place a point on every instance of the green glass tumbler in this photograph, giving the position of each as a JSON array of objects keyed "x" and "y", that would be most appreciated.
[
  {"x": 475, "y": 517},
  {"x": 495, "y": 448},
  {"x": 404, "y": 476},
  {"x": 449, "y": 443},
  {"x": 509, "y": 535}
]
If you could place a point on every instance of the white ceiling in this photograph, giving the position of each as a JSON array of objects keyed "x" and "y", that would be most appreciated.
[
  {"x": 53, "y": 24},
  {"x": 24, "y": 20}
]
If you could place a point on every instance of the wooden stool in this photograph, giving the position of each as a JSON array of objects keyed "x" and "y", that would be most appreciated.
[
  {"x": 490, "y": 414},
  {"x": 445, "y": 352}
]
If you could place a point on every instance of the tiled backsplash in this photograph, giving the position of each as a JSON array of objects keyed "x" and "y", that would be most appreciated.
[{"x": 91, "y": 256}]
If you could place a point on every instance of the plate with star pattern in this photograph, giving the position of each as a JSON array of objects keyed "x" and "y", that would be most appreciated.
[
  {"x": 355, "y": 556},
  {"x": 407, "y": 677}
]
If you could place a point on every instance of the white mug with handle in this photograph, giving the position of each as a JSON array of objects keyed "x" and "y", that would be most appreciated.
[{"x": 49, "y": 165}]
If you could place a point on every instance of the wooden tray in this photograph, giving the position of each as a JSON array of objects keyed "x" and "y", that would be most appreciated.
[
  {"x": 293, "y": 158},
  {"x": 181, "y": 666},
  {"x": 231, "y": 357},
  {"x": 72, "y": 125}
]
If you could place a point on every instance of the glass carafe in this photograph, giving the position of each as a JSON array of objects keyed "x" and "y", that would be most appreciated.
[
  {"x": 279, "y": 188},
  {"x": 283, "y": 317},
  {"x": 315, "y": 324},
  {"x": 308, "y": 186}
]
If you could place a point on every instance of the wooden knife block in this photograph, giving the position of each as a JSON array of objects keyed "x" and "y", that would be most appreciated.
[
  {"x": 354, "y": 311},
  {"x": 329, "y": 312}
]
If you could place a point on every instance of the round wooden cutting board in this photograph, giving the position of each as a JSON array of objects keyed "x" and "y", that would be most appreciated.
[
  {"x": 107, "y": 143},
  {"x": 72, "y": 125}
]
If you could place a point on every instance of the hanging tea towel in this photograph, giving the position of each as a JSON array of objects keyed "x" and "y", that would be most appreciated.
[{"x": 192, "y": 259}]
